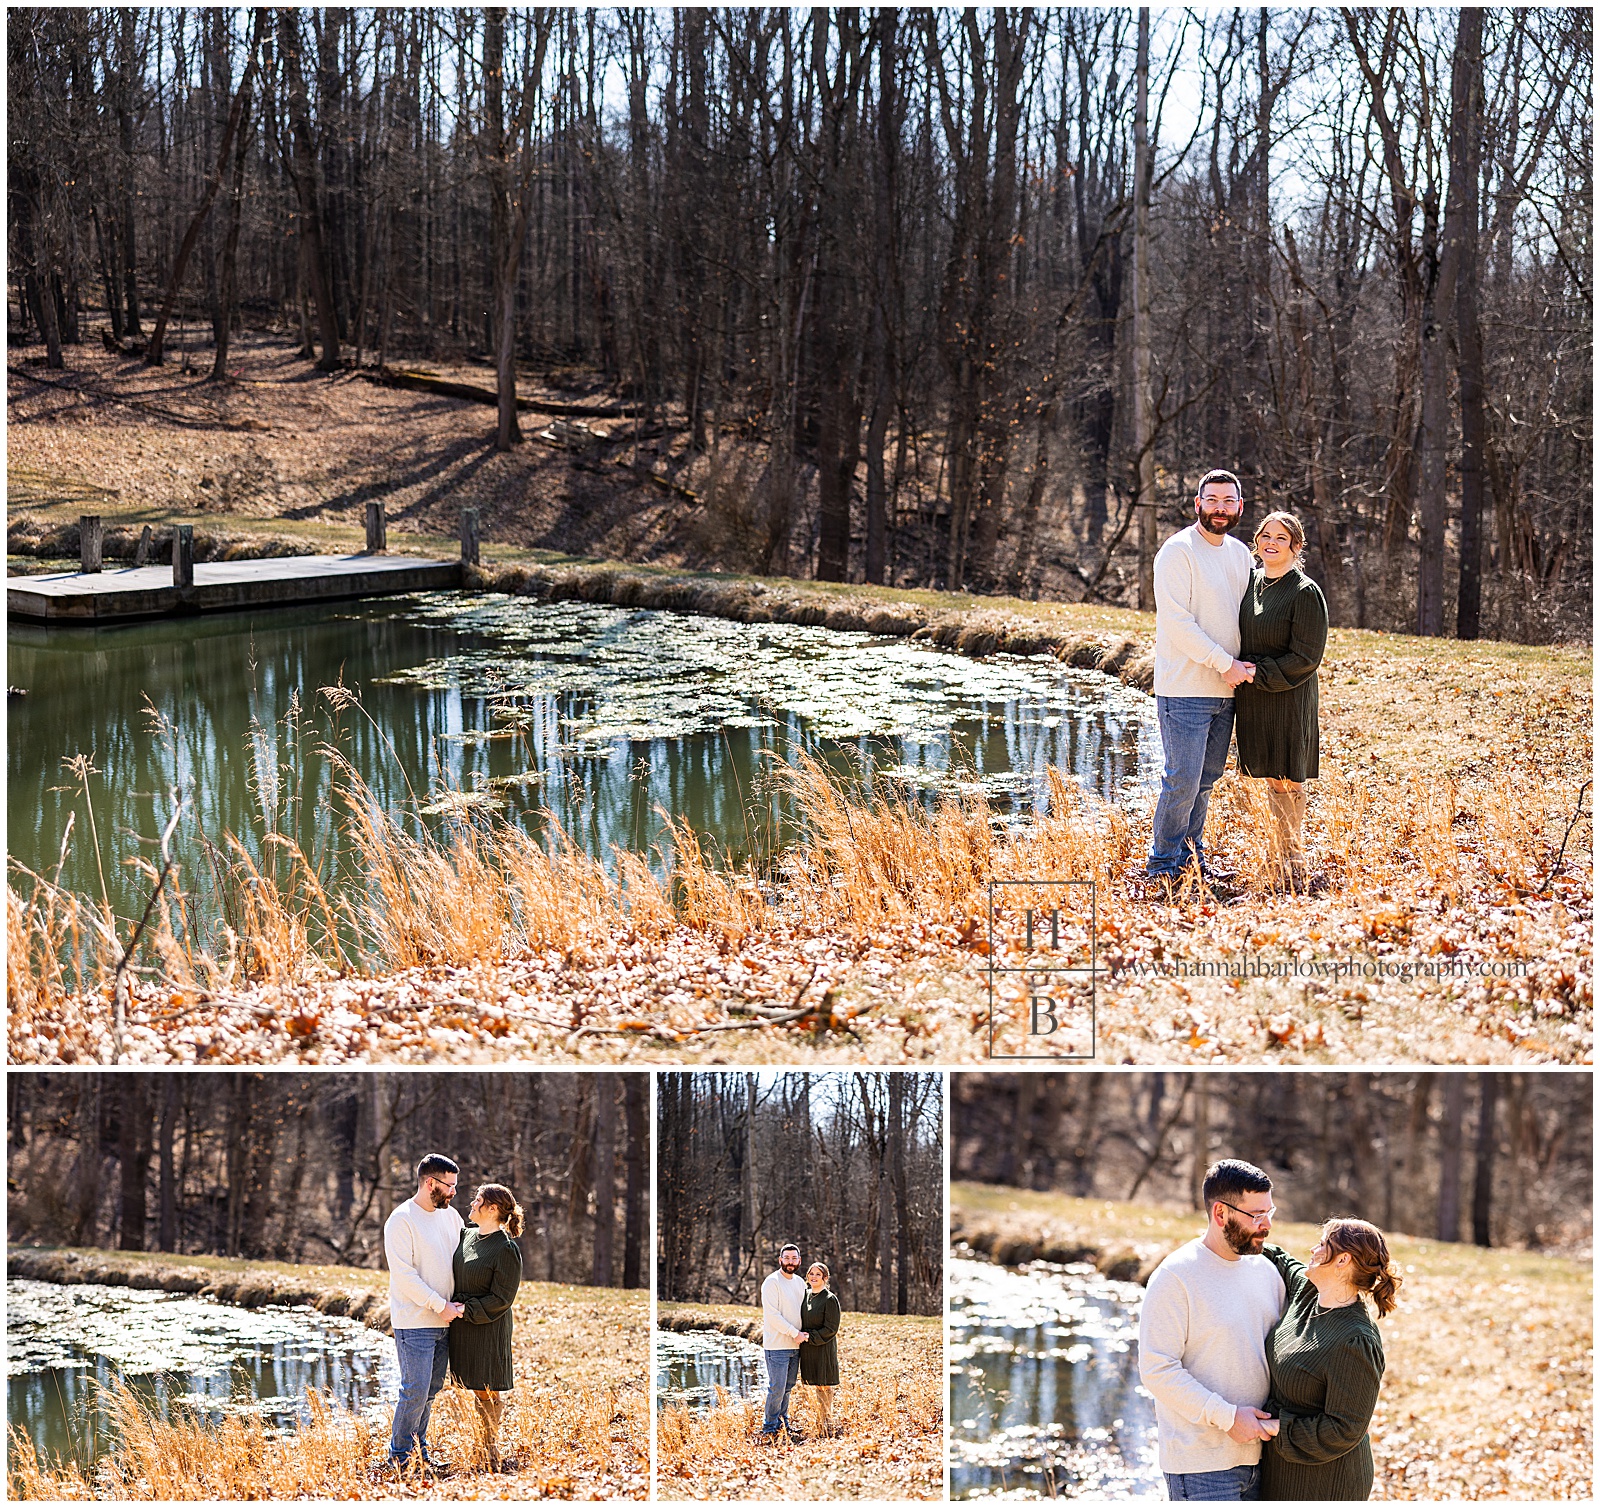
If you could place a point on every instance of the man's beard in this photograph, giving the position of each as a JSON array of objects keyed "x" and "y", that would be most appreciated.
[
  {"x": 1218, "y": 523},
  {"x": 440, "y": 1198},
  {"x": 1247, "y": 1243}
]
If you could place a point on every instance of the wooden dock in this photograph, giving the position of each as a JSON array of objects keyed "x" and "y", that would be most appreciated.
[{"x": 221, "y": 586}]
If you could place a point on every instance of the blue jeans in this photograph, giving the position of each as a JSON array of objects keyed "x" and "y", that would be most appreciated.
[
  {"x": 783, "y": 1372},
  {"x": 1194, "y": 742},
  {"x": 424, "y": 1355},
  {"x": 1238, "y": 1484}
]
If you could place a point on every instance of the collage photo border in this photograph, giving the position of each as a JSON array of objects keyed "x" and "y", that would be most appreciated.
[{"x": 948, "y": 1076}]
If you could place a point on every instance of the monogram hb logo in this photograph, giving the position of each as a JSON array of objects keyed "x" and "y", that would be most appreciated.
[{"x": 1042, "y": 968}]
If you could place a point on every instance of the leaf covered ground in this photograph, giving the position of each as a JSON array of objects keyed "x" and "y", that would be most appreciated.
[
  {"x": 1488, "y": 1390},
  {"x": 889, "y": 1409}
]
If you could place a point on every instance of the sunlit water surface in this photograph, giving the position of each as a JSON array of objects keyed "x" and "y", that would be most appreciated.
[
  {"x": 606, "y": 718},
  {"x": 1045, "y": 1399},
  {"x": 692, "y": 1365},
  {"x": 67, "y": 1344}
]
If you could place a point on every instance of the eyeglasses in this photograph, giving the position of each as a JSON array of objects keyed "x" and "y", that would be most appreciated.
[{"x": 1254, "y": 1219}]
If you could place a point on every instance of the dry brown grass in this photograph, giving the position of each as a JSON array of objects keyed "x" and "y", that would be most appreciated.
[
  {"x": 1489, "y": 1386},
  {"x": 577, "y": 1421},
  {"x": 889, "y": 1408}
]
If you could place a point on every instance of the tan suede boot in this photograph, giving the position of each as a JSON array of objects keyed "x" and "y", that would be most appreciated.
[
  {"x": 1287, "y": 865},
  {"x": 1297, "y": 838},
  {"x": 491, "y": 1406}
]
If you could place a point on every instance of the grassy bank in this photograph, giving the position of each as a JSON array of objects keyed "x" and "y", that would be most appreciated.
[
  {"x": 577, "y": 1420},
  {"x": 888, "y": 1408},
  {"x": 1488, "y": 1391}
]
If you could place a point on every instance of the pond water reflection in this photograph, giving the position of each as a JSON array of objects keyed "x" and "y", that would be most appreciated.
[
  {"x": 66, "y": 1344},
  {"x": 606, "y": 718},
  {"x": 1045, "y": 1399},
  {"x": 691, "y": 1365}
]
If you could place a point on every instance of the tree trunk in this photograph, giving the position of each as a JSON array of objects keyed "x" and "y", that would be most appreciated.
[
  {"x": 236, "y": 124},
  {"x": 1450, "y": 1157},
  {"x": 302, "y": 166},
  {"x": 128, "y": 69},
  {"x": 1483, "y": 1163},
  {"x": 749, "y": 1256},
  {"x": 635, "y": 1220},
  {"x": 1461, "y": 231},
  {"x": 605, "y": 1177},
  {"x": 1143, "y": 420},
  {"x": 228, "y": 279},
  {"x": 884, "y": 302},
  {"x": 1438, "y": 295},
  {"x": 885, "y": 1226},
  {"x": 168, "y": 1239},
  {"x": 508, "y": 209},
  {"x": 1200, "y": 1158},
  {"x": 897, "y": 1175},
  {"x": 133, "y": 1157}
]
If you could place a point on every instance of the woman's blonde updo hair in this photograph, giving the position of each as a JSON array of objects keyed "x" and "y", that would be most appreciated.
[
  {"x": 1370, "y": 1271},
  {"x": 499, "y": 1197},
  {"x": 1296, "y": 530}
]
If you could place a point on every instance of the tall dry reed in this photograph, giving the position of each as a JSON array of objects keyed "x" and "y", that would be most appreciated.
[
  {"x": 863, "y": 863},
  {"x": 565, "y": 1442}
]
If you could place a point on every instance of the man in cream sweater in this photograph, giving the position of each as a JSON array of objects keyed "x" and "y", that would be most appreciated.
[
  {"x": 419, "y": 1244},
  {"x": 1203, "y": 1331},
  {"x": 1201, "y": 578},
  {"x": 782, "y": 1294}
]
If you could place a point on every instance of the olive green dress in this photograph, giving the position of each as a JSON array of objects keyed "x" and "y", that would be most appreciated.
[
  {"x": 1283, "y": 632},
  {"x": 1325, "y": 1367},
  {"x": 819, "y": 1354},
  {"x": 488, "y": 1272}
]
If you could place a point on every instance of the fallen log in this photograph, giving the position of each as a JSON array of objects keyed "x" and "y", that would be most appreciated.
[{"x": 424, "y": 382}]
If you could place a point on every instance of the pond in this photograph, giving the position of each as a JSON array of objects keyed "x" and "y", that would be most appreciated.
[
  {"x": 66, "y": 1344},
  {"x": 602, "y": 717},
  {"x": 692, "y": 1364},
  {"x": 1045, "y": 1399}
]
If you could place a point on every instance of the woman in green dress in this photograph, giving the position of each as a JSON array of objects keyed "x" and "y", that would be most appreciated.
[
  {"x": 1325, "y": 1361},
  {"x": 1283, "y": 633},
  {"x": 819, "y": 1351},
  {"x": 488, "y": 1272}
]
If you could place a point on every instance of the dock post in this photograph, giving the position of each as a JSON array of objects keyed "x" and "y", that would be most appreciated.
[
  {"x": 141, "y": 556},
  {"x": 469, "y": 536},
  {"x": 183, "y": 556},
  {"x": 377, "y": 533},
  {"x": 91, "y": 537}
]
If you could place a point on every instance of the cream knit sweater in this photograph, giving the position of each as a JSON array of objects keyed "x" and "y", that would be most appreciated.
[
  {"x": 1203, "y": 1351},
  {"x": 1199, "y": 587},
  {"x": 420, "y": 1247}
]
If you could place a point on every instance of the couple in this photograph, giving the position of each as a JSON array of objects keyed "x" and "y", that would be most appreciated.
[
  {"x": 799, "y": 1329},
  {"x": 451, "y": 1288},
  {"x": 1236, "y": 646},
  {"x": 1240, "y": 1344}
]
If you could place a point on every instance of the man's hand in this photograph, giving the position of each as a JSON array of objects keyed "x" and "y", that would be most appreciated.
[
  {"x": 1248, "y": 1425},
  {"x": 454, "y": 1311},
  {"x": 802, "y": 1337},
  {"x": 1239, "y": 671}
]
